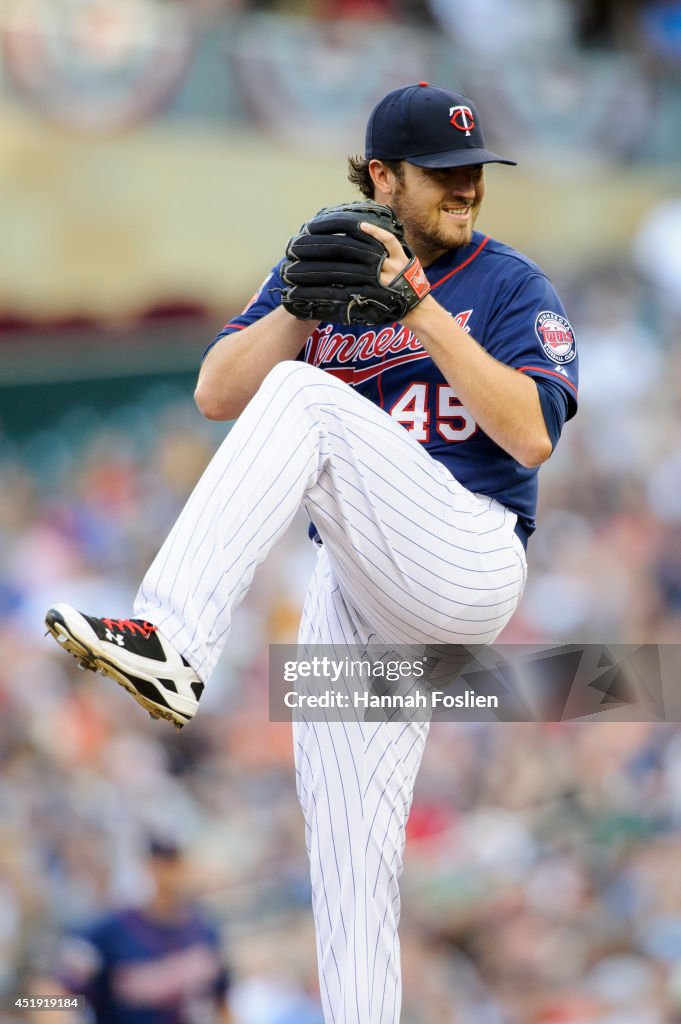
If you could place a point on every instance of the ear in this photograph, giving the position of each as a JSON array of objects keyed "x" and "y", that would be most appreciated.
[{"x": 383, "y": 179}]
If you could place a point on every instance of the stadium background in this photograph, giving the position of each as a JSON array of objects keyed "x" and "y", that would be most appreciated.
[{"x": 155, "y": 157}]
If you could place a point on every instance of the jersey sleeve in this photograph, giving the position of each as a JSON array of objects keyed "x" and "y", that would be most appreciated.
[
  {"x": 529, "y": 330},
  {"x": 80, "y": 963},
  {"x": 554, "y": 406},
  {"x": 267, "y": 298}
]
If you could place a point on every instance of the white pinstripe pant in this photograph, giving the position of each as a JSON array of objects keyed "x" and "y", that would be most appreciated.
[{"x": 409, "y": 555}]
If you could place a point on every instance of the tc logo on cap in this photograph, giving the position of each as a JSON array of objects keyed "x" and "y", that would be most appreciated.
[{"x": 462, "y": 118}]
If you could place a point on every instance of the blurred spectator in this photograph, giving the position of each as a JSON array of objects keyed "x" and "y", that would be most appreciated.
[
  {"x": 606, "y": 23},
  {"x": 660, "y": 23},
  {"x": 158, "y": 963},
  {"x": 657, "y": 251},
  {"x": 491, "y": 28}
]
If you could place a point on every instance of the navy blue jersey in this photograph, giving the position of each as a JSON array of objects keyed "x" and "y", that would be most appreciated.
[
  {"x": 507, "y": 303},
  {"x": 134, "y": 969}
]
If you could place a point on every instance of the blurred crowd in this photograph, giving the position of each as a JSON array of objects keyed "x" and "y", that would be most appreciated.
[
  {"x": 645, "y": 26},
  {"x": 541, "y": 881},
  {"x": 598, "y": 77},
  {"x": 629, "y": 24},
  {"x": 605, "y": 561}
]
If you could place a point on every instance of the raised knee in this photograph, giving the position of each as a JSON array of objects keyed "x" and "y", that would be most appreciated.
[
  {"x": 296, "y": 376},
  {"x": 292, "y": 368}
]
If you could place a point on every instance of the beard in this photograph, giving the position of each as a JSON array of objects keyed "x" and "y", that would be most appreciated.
[{"x": 426, "y": 233}]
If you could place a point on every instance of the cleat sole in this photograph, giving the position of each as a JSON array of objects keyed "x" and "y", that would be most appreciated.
[{"x": 88, "y": 659}]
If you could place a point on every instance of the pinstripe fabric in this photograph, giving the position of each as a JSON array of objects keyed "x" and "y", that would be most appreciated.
[
  {"x": 355, "y": 782},
  {"x": 409, "y": 555}
]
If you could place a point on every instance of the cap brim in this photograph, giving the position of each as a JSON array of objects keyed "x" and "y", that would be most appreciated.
[{"x": 459, "y": 158}]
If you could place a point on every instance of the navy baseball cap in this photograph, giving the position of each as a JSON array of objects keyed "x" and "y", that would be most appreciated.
[{"x": 429, "y": 127}]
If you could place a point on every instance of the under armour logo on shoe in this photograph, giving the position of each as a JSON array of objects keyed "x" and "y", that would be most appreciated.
[{"x": 134, "y": 654}]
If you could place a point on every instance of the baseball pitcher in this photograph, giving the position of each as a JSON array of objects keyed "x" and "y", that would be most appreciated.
[{"x": 402, "y": 377}]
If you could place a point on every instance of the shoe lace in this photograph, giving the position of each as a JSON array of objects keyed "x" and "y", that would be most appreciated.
[{"x": 133, "y": 626}]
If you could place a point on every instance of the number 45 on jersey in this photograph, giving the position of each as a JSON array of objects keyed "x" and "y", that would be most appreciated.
[{"x": 453, "y": 421}]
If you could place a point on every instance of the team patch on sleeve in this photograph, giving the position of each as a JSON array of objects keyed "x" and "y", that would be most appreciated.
[{"x": 556, "y": 336}]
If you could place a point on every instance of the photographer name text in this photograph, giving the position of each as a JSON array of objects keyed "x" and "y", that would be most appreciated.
[{"x": 391, "y": 701}]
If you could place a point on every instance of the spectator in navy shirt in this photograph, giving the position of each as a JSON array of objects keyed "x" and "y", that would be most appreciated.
[{"x": 161, "y": 963}]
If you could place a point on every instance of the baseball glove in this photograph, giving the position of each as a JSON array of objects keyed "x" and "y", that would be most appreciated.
[{"x": 333, "y": 269}]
